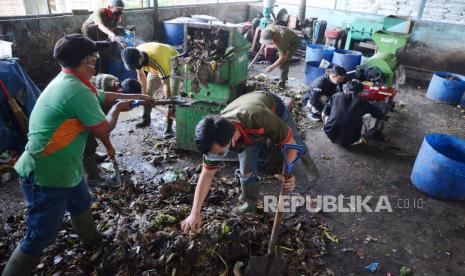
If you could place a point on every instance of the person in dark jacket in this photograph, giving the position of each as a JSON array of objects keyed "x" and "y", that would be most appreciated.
[
  {"x": 348, "y": 118},
  {"x": 321, "y": 90}
]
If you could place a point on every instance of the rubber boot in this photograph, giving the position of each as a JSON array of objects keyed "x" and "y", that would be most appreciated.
[
  {"x": 93, "y": 177},
  {"x": 84, "y": 227},
  {"x": 168, "y": 131},
  {"x": 145, "y": 118},
  {"x": 100, "y": 157},
  {"x": 250, "y": 191},
  {"x": 310, "y": 167},
  {"x": 20, "y": 263}
]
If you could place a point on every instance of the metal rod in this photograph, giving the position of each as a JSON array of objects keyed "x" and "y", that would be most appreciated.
[
  {"x": 48, "y": 6},
  {"x": 256, "y": 57},
  {"x": 155, "y": 19},
  {"x": 421, "y": 10}
]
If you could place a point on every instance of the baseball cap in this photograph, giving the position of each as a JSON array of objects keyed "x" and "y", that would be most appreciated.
[
  {"x": 71, "y": 49},
  {"x": 131, "y": 58},
  {"x": 266, "y": 37}
]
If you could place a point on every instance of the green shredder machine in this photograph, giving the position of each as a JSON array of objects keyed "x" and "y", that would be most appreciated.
[{"x": 222, "y": 79}]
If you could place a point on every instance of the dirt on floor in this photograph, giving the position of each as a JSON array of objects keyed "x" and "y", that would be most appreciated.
[{"x": 141, "y": 220}]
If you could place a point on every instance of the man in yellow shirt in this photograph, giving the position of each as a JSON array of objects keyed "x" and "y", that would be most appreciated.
[{"x": 155, "y": 59}]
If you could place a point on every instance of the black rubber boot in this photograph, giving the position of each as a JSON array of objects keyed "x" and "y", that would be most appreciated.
[
  {"x": 93, "y": 176},
  {"x": 100, "y": 157},
  {"x": 20, "y": 263},
  {"x": 84, "y": 227},
  {"x": 145, "y": 122},
  {"x": 145, "y": 117}
]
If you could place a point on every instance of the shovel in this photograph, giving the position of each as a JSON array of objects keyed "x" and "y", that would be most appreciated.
[
  {"x": 115, "y": 181},
  {"x": 272, "y": 264},
  {"x": 256, "y": 56},
  {"x": 175, "y": 100}
]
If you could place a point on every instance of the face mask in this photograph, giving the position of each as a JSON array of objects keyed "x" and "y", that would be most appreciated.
[
  {"x": 225, "y": 152},
  {"x": 333, "y": 80},
  {"x": 93, "y": 67}
]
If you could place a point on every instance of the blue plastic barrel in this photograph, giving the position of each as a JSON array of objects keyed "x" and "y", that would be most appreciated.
[
  {"x": 313, "y": 71},
  {"x": 318, "y": 52},
  {"x": 439, "y": 169},
  {"x": 347, "y": 58},
  {"x": 174, "y": 30},
  {"x": 446, "y": 87}
]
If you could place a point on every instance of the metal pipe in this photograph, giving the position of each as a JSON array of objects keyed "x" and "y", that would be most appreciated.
[
  {"x": 302, "y": 7},
  {"x": 48, "y": 6},
  {"x": 155, "y": 20},
  {"x": 422, "y": 8}
]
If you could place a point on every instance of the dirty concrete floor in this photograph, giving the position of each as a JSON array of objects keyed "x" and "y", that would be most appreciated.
[{"x": 425, "y": 234}]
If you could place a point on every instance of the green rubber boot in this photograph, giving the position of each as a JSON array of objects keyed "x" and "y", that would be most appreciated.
[
  {"x": 84, "y": 227},
  {"x": 20, "y": 263},
  {"x": 250, "y": 191},
  {"x": 310, "y": 167}
]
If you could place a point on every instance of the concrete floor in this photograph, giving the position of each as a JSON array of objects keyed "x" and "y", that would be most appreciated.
[{"x": 429, "y": 238}]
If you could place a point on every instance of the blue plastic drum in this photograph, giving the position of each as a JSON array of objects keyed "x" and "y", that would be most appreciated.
[
  {"x": 347, "y": 58},
  {"x": 439, "y": 169},
  {"x": 318, "y": 52},
  {"x": 446, "y": 88},
  {"x": 174, "y": 30},
  {"x": 313, "y": 71}
]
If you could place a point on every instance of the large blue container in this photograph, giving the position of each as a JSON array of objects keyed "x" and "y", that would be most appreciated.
[
  {"x": 313, "y": 71},
  {"x": 318, "y": 52},
  {"x": 347, "y": 58},
  {"x": 446, "y": 90},
  {"x": 439, "y": 169},
  {"x": 174, "y": 30}
]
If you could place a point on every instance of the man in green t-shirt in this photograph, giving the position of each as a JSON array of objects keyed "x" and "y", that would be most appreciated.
[
  {"x": 287, "y": 42},
  {"x": 51, "y": 166},
  {"x": 243, "y": 126}
]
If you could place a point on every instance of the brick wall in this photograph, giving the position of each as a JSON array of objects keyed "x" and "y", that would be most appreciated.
[
  {"x": 448, "y": 11},
  {"x": 385, "y": 7},
  {"x": 11, "y": 7}
]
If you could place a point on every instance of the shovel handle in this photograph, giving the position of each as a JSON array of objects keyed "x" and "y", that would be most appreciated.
[
  {"x": 288, "y": 169},
  {"x": 256, "y": 57},
  {"x": 277, "y": 222}
]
